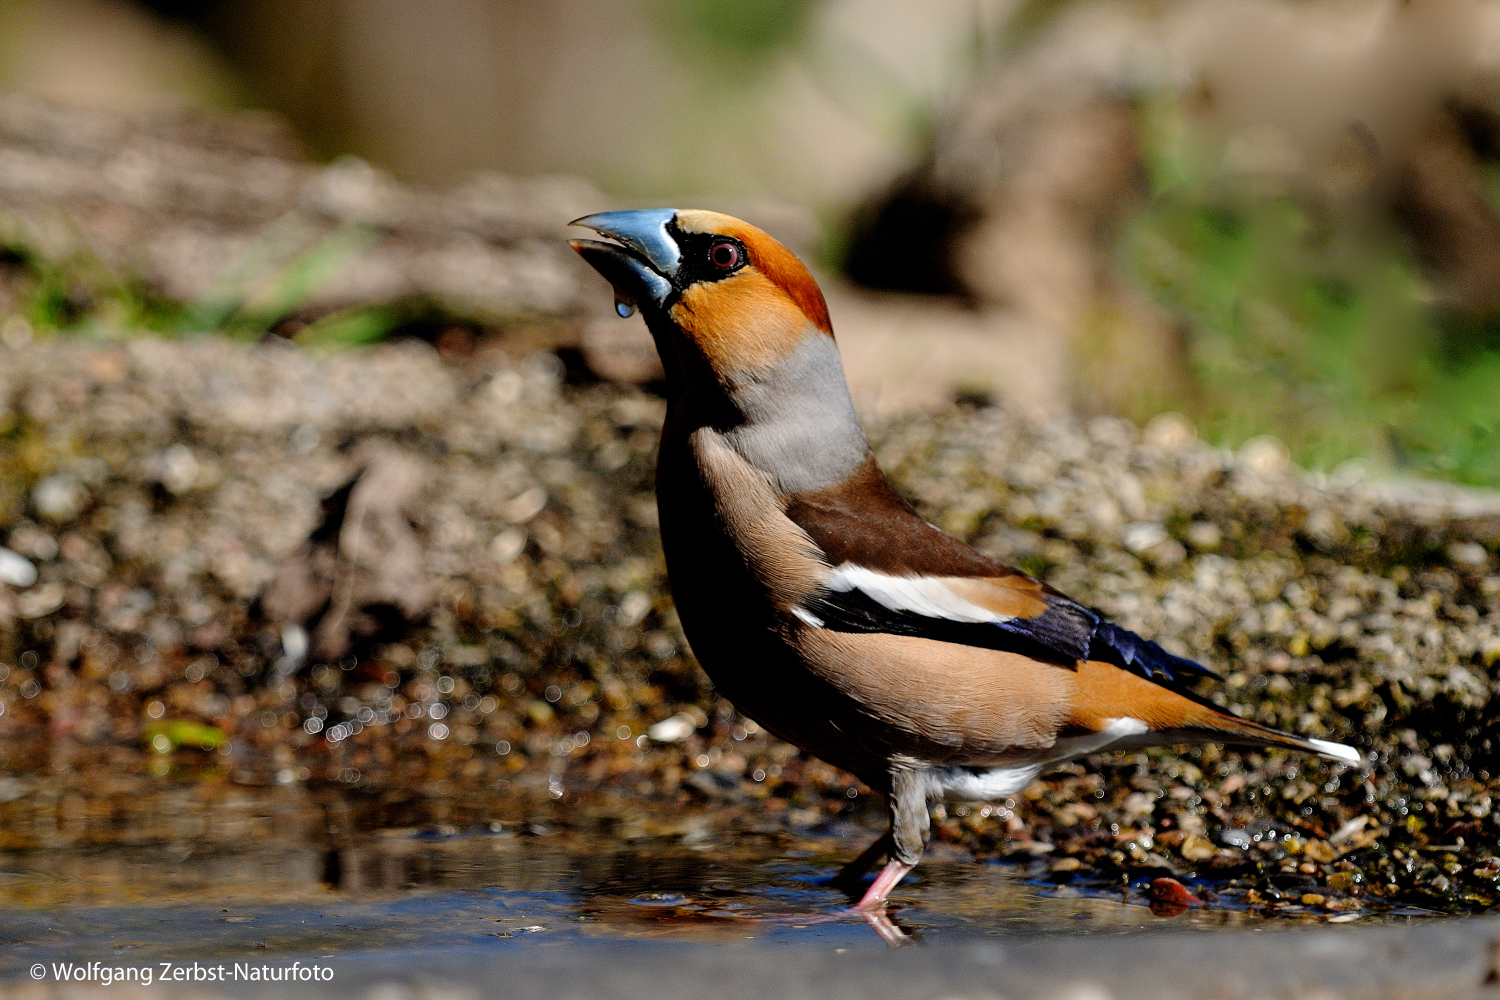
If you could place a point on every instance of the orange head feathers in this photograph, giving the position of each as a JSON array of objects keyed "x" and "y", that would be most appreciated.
[
  {"x": 767, "y": 259},
  {"x": 710, "y": 284}
]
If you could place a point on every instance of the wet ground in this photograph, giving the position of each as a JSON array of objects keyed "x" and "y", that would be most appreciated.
[
  {"x": 422, "y": 890},
  {"x": 216, "y": 874}
]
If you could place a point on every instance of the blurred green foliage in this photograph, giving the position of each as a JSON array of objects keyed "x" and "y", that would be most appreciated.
[
  {"x": 353, "y": 327},
  {"x": 1304, "y": 321},
  {"x": 734, "y": 34},
  {"x": 1301, "y": 318},
  {"x": 179, "y": 733},
  {"x": 274, "y": 279},
  {"x": 77, "y": 295}
]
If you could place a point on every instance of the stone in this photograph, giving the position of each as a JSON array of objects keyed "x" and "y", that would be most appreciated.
[{"x": 16, "y": 569}]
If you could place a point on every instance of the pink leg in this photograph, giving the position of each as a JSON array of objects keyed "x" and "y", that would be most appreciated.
[{"x": 893, "y": 872}]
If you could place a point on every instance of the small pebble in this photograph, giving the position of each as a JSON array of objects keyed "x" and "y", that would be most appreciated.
[
  {"x": 58, "y": 498},
  {"x": 16, "y": 569},
  {"x": 674, "y": 729},
  {"x": 1173, "y": 893},
  {"x": 1320, "y": 851},
  {"x": 1196, "y": 848},
  {"x": 1236, "y": 838}
]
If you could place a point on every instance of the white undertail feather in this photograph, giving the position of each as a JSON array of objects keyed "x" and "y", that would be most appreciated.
[
  {"x": 922, "y": 595},
  {"x": 971, "y": 784},
  {"x": 966, "y": 784}
]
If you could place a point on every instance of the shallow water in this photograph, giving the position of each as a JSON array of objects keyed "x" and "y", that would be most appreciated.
[
  {"x": 258, "y": 876},
  {"x": 481, "y": 892}
]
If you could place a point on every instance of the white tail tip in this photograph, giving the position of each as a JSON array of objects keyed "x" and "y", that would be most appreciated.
[{"x": 1337, "y": 751}]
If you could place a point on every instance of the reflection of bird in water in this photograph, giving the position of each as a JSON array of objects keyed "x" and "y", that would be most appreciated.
[{"x": 818, "y": 601}]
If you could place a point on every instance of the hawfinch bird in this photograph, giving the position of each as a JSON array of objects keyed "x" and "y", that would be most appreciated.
[{"x": 818, "y": 601}]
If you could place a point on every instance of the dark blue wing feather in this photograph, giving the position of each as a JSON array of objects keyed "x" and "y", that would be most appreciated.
[{"x": 1113, "y": 644}]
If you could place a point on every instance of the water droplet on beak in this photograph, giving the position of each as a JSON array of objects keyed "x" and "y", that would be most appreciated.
[{"x": 624, "y": 309}]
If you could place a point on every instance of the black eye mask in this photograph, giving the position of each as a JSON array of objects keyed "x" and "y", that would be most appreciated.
[{"x": 699, "y": 251}]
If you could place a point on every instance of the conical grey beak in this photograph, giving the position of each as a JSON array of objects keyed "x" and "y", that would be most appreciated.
[
  {"x": 642, "y": 263},
  {"x": 635, "y": 283},
  {"x": 643, "y": 230}
]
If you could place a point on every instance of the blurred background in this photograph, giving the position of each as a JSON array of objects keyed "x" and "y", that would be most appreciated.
[
  {"x": 380, "y": 552},
  {"x": 1278, "y": 218}
]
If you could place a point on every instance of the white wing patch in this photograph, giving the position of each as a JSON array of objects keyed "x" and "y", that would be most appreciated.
[{"x": 922, "y": 595}]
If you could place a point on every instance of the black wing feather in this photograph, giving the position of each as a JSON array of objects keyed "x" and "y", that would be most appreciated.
[{"x": 1065, "y": 633}]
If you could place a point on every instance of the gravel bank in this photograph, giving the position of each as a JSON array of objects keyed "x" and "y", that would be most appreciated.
[{"x": 438, "y": 591}]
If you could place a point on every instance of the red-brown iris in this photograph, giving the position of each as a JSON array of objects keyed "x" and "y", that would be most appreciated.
[{"x": 725, "y": 255}]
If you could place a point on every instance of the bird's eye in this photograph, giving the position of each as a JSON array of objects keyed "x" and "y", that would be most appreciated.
[{"x": 724, "y": 255}]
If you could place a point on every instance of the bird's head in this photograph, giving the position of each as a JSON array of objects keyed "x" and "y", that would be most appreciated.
[
  {"x": 721, "y": 297},
  {"x": 744, "y": 337}
]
